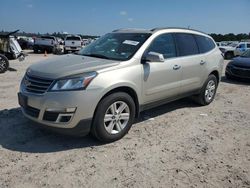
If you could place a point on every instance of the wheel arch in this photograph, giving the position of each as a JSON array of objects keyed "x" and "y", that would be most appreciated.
[
  {"x": 216, "y": 74},
  {"x": 126, "y": 89}
]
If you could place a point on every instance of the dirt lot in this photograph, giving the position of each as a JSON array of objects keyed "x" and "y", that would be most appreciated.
[{"x": 176, "y": 145}]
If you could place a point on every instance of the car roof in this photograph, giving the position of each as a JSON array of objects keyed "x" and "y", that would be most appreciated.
[{"x": 154, "y": 30}]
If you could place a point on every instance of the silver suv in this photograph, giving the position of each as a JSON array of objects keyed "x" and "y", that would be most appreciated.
[{"x": 108, "y": 83}]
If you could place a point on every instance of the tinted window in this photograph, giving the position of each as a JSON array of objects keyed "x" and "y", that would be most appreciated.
[
  {"x": 163, "y": 44},
  {"x": 248, "y": 45},
  {"x": 186, "y": 44},
  {"x": 205, "y": 44},
  {"x": 241, "y": 46}
]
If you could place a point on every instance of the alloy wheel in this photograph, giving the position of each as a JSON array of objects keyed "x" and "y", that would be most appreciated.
[
  {"x": 210, "y": 90},
  {"x": 116, "y": 117}
]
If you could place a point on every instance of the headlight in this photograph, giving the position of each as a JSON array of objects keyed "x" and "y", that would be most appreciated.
[{"x": 73, "y": 83}]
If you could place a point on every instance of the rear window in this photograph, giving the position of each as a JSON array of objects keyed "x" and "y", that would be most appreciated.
[
  {"x": 73, "y": 38},
  {"x": 205, "y": 44},
  {"x": 186, "y": 44}
]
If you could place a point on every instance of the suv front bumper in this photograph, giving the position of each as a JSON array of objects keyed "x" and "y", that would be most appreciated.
[{"x": 67, "y": 112}]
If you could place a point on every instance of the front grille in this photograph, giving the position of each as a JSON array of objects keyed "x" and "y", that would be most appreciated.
[
  {"x": 35, "y": 84},
  {"x": 34, "y": 112},
  {"x": 50, "y": 116}
]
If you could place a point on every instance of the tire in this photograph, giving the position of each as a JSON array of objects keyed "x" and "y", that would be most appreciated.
[
  {"x": 35, "y": 50},
  {"x": 229, "y": 55},
  {"x": 228, "y": 76},
  {"x": 207, "y": 94},
  {"x": 4, "y": 64},
  {"x": 113, "y": 128},
  {"x": 65, "y": 51}
]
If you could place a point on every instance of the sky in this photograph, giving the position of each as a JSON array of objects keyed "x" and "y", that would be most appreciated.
[{"x": 97, "y": 17}]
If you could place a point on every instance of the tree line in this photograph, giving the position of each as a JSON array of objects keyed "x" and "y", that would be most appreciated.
[
  {"x": 216, "y": 37},
  {"x": 230, "y": 37},
  {"x": 56, "y": 34}
]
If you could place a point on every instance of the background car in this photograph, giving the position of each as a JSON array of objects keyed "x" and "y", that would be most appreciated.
[{"x": 239, "y": 67}]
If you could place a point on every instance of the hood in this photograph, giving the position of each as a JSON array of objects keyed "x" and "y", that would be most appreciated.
[
  {"x": 67, "y": 65},
  {"x": 241, "y": 61}
]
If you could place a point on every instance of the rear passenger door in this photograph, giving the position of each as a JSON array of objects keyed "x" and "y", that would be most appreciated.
[{"x": 192, "y": 63}]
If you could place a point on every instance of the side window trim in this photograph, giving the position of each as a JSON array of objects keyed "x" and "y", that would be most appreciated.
[{"x": 197, "y": 44}]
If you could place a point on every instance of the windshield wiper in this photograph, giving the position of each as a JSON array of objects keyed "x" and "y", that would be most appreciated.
[{"x": 96, "y": 55}]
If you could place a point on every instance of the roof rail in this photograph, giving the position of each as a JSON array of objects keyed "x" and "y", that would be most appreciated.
[
  {"x": 160, "y": 28},
  {"x": 129, "y": 29}
]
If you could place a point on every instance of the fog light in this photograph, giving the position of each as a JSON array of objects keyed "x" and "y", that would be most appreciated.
[{"x": 68, "y": 110}]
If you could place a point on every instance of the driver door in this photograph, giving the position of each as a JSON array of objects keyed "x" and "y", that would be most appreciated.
[{"x": 162, "y": 80}]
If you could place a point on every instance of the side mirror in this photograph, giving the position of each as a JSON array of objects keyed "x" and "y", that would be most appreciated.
[{"x": 153, "y": 57}]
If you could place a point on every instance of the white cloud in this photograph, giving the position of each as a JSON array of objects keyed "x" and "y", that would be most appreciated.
[
  {"x": 130, "y": 19},
  {"x": 123, "y": 13},
  {"x": 30, "y": 6}
]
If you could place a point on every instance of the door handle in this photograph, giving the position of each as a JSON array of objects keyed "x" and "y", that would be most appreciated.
[
  {"x": 176, "y": 67},
  {"x": 202, "y": 62}
]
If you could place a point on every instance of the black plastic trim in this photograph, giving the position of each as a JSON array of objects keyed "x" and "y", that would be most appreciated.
[{"x": 81, "y": 129}]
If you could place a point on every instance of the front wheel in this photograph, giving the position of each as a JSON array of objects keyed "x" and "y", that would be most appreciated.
[
  {"x": 208, "y": 91},
  {"x": 4, "y": 63},
  {"x": 114, "y": 117}
]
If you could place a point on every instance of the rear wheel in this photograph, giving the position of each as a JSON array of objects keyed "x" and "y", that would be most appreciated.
[
  {"x": 208, "y": 91},
  {"x": 4, "y": 63},
  {"x": 35, "y": 49},
  {"x": 114, "y": 117}
]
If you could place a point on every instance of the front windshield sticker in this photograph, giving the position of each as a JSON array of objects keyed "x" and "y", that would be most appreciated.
[{"x": 131, "y": 42}]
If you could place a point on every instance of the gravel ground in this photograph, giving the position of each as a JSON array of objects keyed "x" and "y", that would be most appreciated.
[{"x": 176, "y": 145}]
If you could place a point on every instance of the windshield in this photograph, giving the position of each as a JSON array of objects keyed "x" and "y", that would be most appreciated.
[
  {"x": 246, "y": 54},
  {"x": 115, "y": 46}
]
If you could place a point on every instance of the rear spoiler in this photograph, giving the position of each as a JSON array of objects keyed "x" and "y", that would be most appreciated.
[{"x": 8, "y": 34}]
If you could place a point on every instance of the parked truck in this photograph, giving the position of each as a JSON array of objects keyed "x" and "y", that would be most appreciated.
[
  {"x": 49, "y": 44},
  {"x": 230, "y": 51},
  {"x": 72, "y": 43}
]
